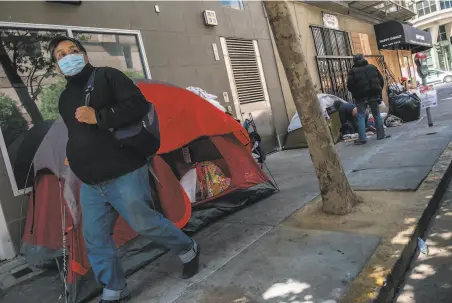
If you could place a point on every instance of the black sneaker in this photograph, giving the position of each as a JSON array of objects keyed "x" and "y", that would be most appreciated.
[
  {"x": 359, "y": 142},
  {"x": 191, "y": 268},
  {"x": 385, "y": 137}
]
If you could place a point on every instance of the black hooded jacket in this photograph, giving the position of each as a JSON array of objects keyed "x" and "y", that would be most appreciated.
[
  {"x": 93, "y": 153},
  {"x": 364, "y": 80}
]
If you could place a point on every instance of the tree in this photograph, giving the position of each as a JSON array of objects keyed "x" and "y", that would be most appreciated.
[
  {"x": 26, "y": 64},
  {"x": 337, "y": 195},
  {"x": 132, "y": 74},
  {"x": 12, "y": 123},
  {"x": 49, "y": 97}
]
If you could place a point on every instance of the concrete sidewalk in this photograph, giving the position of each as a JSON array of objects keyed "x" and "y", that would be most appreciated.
[{"x": 256, "y": 255}]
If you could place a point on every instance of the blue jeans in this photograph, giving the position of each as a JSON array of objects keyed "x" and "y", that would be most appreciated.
[
  {"x": 374, "y": 105},
  {"x": 130, "y": 197}
]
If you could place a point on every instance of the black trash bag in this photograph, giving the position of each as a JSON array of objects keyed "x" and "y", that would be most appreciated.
[
  {"x": 405, "y": 106},
  {"x": 395, "y": 89}
]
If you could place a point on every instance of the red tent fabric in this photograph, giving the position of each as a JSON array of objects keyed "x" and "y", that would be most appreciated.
[
  {"x": 184, "y": 116},
  {"x": 185, "y": 120}
]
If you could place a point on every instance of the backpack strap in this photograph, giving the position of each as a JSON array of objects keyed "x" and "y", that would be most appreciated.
[{"x": 89, "y": 87}]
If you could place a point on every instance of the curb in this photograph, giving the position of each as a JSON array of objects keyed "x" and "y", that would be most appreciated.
[{"x": 441, "y": 170}]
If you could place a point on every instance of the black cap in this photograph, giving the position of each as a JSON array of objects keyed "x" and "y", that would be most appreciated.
[{"x": 57, "y": 40}]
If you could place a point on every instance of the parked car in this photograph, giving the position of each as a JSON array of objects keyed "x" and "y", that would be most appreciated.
[{"x": 438, "y": 76}]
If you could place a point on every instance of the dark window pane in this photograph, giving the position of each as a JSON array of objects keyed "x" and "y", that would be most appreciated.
[
  {"x": 114, "y": 50},
  {"x": 29, "y": 90}
]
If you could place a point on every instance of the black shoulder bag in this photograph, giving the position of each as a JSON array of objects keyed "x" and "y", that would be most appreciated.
[{"x": 143, "y": 136}]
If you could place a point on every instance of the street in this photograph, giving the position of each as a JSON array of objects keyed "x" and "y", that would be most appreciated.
[
  {"x": 444, "y": 92},
  {"x": 428, "y": 279}
]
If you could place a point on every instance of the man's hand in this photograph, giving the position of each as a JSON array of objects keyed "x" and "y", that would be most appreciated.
[{"x": 86, "y": 114}]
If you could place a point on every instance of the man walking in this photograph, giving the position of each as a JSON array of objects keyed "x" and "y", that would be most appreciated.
[
  {"x": 366, "y": 83},
  {"x": 115, "y": 178}
]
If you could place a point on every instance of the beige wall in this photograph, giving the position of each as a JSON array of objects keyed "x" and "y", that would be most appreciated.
[{"x": 305, "y": 15}]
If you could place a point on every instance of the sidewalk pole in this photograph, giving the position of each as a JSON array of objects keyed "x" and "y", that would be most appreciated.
[{"x": 421, "y": 63}]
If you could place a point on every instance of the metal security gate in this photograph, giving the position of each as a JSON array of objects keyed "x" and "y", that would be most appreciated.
[
  {"x": 334, "y": 60},
  {"x": 331, "y": 42},
  {"x": 333, "y": 72}
]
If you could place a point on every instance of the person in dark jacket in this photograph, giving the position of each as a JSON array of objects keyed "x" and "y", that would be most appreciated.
[
  {"x": 347, "y": 115},
  {"x": 115, "y": 178},
  {"x": 365, "y": 82}
]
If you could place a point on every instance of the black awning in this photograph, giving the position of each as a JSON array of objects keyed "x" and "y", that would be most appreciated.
[{"x": 396, "y": 35}]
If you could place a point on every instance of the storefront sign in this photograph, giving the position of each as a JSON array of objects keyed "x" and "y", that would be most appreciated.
[
  {"x": 428, "y": 96},
  {"x": 330, "y": 21},
  {"x": 391, "y": 34}
]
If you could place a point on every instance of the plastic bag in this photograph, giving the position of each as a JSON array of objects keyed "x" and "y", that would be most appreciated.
[
  {"x": 188, "y": 182},
  {"x": 405, "y": 106},
  {"x": 208, "y": 97}
]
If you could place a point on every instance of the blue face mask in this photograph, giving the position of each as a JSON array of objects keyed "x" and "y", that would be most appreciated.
[{"x": 71, "y": 65}]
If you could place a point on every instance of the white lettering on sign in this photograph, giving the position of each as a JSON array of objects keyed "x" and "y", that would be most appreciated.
[
  {"x": 428, "y": 97},
  {"x": 420, "y": 37},
  {"x": 390, "y": 38},
  {"x": 417, "y": 42}
]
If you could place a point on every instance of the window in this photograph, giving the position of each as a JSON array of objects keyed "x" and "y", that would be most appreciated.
[
  {"x": 442, "y": 36},
  {"x": 30, "y": 85},
  {"x": 330, "y": 42},
  {"x": 235, "y": 4},
  {"x": 425, "y": 7},
  {"x": 445, "y": 4},
  {"x": 29, "y": 89},
  {"x": 114, "y": 50}
]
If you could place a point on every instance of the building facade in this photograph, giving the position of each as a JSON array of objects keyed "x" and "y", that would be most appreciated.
[
  {"x": 167, "y": 41},
  {"x": 435, "y": 16},
  {"x": 332, "y": 32}
]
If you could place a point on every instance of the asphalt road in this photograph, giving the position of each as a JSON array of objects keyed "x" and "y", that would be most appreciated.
[
  {"x": 429, "y": 278},
  {"x": 444, "y": 92}
]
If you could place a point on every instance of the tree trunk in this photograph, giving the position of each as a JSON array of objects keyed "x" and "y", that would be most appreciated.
[
  {"x": 19, "y": 86},
  {"x": 338, "y": 197}
]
